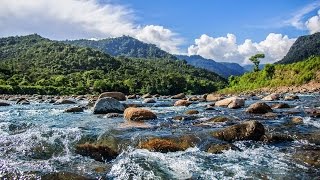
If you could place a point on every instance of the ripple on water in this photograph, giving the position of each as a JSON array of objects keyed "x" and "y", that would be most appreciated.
[
  {"x": 250, "y": 162},
  {"x": 311, "y": 121}
]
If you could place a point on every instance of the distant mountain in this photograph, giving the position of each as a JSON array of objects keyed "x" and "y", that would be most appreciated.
[
  {"x": 303, "y": 48},
  {"x": 123, "y": 46},
  {"x": 131, "y": 47},
  {"x": 223, "y": 69}
]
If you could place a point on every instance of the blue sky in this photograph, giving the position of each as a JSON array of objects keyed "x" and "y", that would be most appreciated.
[
  {"x": 223, "y": 30},
  {"x": 253, "y": 19}
]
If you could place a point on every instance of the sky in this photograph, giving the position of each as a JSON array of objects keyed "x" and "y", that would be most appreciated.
[{"x": 222, "y": 30}]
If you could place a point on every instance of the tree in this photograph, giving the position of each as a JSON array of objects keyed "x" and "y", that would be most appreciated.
[
  {"x": 269, "y": 70},
  {"x": 255, "y": 60}
]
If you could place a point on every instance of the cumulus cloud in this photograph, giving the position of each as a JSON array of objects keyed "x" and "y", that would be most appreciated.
[
  {"x": 74, "y": 19},
  {"x": 297, "y": 19},
  {"x": 313, "y": 24},
  {"x": 226, "y": 49}
]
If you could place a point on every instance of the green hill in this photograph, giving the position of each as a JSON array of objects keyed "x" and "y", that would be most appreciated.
[
  {"x": 277, "y": 75},
  {"x": 123, "y": 46},
  {"x": 32, "y": 64},
  {"x": 303, "y": 47}
]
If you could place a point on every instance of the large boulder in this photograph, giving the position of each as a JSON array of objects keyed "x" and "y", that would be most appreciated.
[
  {"x": 232, "y": 102},
  {"x": 138, "y": 114},
  {"x": 108, "y": 105},
  {"x": 271, "y": 97},
  {"x": 116, "y": 95},
  {"x": 179, "y": 96},
  {"x": 213, "y": 97},
  {"x": 4, "y": 104},
  {"x": 249, "y": 130},
  {"x": 259, "y": 108},
  {"x": 182, "y": 103}
]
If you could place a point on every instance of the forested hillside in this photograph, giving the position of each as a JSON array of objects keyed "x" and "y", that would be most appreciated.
[
  {"x": 32, "y": 64},
  {"x": 278, "y": 75}
]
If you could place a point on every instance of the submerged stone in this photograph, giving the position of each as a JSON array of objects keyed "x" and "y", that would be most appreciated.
[
  {"x": 74, "y": 109},
  {"x": 191, "y": 112},
  {"x": 165, "y": 145},
  {"x": 97, "y": 152},
  {"x": 63, "y": 176},
  {"x": 220, "y": 148},
  {"x": 280, "y": 106},
  {"x": 4, "y": 104}
]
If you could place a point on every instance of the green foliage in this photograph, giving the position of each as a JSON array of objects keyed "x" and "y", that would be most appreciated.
[
  {"x": 255, "y": 60},
  {"x": 124, "y": 46},
  {"x": 277, "y": 75},
  {"x": 32, "y": 64}
]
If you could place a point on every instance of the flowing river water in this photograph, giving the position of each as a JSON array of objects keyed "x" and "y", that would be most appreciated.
[{"x": 39, "y": 139}]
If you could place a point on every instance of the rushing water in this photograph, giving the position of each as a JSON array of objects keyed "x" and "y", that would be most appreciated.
[{"x": 40, "y": 138}]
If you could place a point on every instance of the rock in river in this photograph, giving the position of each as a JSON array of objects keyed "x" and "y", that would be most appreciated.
[
  {"x": 149, "y": 100},
  {"x": 182, "y": 103},
  {"x": 96, "y": 151},
  {"x": 249, "y": 130},
  {"x": 138, "y": 114},
  {"x": 64, "y": 101},
  {"x": 259, "y": 108},
  {"x": 4, "y": 104},
  {"x": 179, "y": 96},
  {"x": 116, "y": 95},
  {"x": 165, "y": 145},
  {"x": 74, "y": 109},
  {"x": 108, "y": 105},
  {"x": 271, "y": 97},
  {"x": 213, "y": 97},
  {"x": 232, "y": 102}
]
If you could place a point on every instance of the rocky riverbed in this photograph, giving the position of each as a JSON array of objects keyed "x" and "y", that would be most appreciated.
[{"x": 112, "y": 136}]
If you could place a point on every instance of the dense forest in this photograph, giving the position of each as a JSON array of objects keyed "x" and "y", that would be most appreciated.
[
  {"x": 277, "y": 75},
  {"x": 124, "y": 46},
  {"x": 303, "y": 47},
  {"x": 35, "y": 65}
]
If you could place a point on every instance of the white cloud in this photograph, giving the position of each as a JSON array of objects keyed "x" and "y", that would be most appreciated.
[
  {"x": 226, "y": 49},
  {"x": 74, "y": 19},
  {"x": 297, "y": 19},
  {"x": 313, "y": 24},
  {"x": 164, "y": 38}
]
